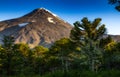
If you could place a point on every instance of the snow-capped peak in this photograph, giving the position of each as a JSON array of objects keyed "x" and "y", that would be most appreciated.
[
  {"x": 52, "y": 14},
  {"x": 48, "y": 11}
]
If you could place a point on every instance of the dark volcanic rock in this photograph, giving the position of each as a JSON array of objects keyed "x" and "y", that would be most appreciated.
[{"x": 40, "y": 27}]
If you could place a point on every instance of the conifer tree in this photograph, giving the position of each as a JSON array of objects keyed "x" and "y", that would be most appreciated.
[
  {"x": 8, "y": 53},
  {"x": 87, "y": 35},
  {"x": 62, "y": 49}
]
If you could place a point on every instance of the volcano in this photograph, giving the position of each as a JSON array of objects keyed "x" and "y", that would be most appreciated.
[{"x": 39, "y": 27}]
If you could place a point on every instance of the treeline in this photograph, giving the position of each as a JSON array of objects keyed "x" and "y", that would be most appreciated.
[{"x": 86, "y": 49}]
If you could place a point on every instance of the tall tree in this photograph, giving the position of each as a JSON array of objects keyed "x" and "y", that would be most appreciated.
[
  {"x": 27, "y": 57},
  {"x": 8, "y": 53},
  {"x": 10, "y": 57},
  {"x": 40, "y": 59},
  {"x": 112, "y": 56},
  {"x": 87, "y": 35},
  {"x": 62, "y": 49}
]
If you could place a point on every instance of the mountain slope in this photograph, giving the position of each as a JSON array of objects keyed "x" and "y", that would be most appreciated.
[{"x": 116, "y": 38}]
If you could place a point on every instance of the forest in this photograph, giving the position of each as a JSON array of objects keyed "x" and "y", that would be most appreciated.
[{"x": 88, "y": 52}]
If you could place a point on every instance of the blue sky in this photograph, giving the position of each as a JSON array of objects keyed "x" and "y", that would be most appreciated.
[{"x": 69, "y": 10}]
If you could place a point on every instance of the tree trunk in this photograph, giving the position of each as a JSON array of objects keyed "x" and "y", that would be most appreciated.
[
  {"x": 93, "y": 65},
  {"x": 66, "y": 65},
  {"x": 62, "y": 62},
  {"x": 8, "y": 65}
]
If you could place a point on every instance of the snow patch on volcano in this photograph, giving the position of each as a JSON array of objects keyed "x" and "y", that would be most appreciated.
[
  {"x": 23, "y": 24},
  {"x": 50, "y": 19}
]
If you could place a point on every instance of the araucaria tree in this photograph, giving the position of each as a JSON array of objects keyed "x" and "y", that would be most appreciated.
[{"x": 87, "y": 35}]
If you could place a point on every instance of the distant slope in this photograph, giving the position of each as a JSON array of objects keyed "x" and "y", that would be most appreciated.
[{"x": 116, "y": 37}]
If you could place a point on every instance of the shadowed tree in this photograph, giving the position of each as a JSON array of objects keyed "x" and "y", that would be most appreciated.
[
  {"x": 8, "y": 43},
  {"x": 10, "y": 57},
  {"x": 112, "y": 56}
]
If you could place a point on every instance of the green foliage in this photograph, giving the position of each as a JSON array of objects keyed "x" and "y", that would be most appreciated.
[
  {"x": 7, "y": 55},
  {"x": 62, "y": 49},
  {"x": 87, "y": 35},
  {"x": 39, "y": 51},
  {"x": 26, "y": 58},
  {"x": 87, "y": 30},
  {"x": 112, "y": 56},
  {"x": 40, "y": 59},
  {"x": 8, "y": 41},
  {"x": 23, "y": 49},
  {"x": 105, "y": 41}
]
